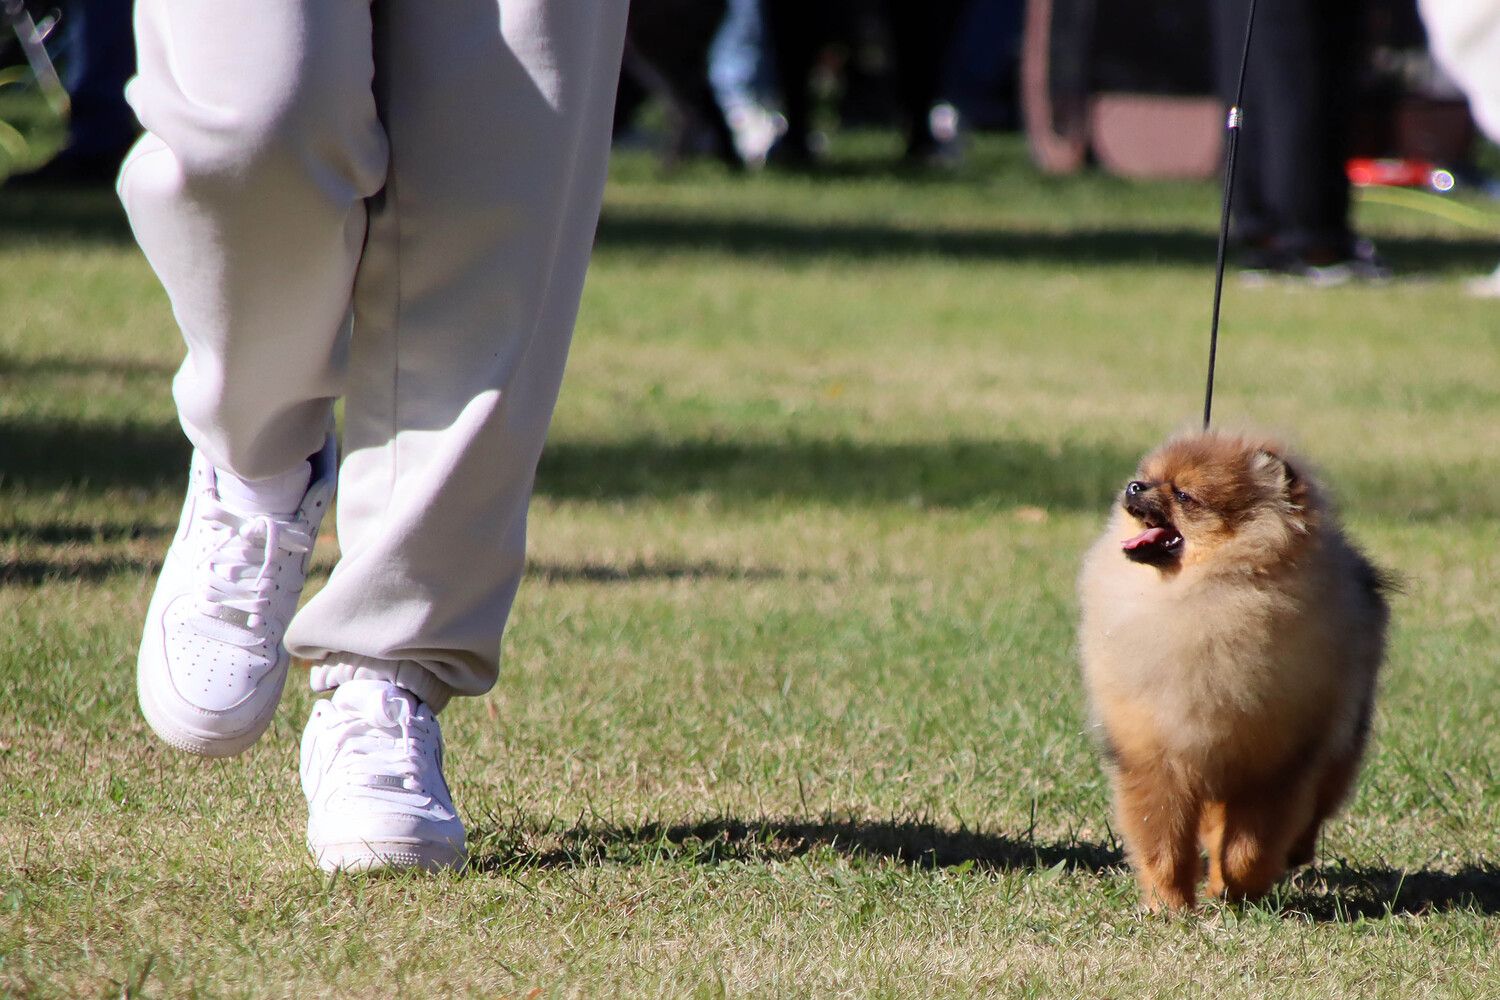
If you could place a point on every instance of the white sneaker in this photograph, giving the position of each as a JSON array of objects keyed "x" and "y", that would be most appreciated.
[
  {"x": 372, "y": 769},
  {"x": 212, "y": 664}
]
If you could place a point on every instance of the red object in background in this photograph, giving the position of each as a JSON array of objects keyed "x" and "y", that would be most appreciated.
[{"x": 1366, "y": 172}]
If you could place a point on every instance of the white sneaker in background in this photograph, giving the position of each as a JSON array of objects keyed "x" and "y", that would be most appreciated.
[
  {"x": 372, "y": 769},
  {"x": 212, "y": 665},
  {"x": 1485, "y": 287},
  {"x": 755, "y": 131}
]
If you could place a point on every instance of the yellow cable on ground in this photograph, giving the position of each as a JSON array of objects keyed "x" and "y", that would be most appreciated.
[{"x": 1432, "y": 204}]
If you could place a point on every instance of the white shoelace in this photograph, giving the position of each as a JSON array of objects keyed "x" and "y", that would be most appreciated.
[
  {"x": 387, "y": 752},
  {"x": 243, "y": 562}
]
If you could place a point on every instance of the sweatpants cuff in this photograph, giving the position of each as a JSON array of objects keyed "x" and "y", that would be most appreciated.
[{"x": 407, "y": 674}]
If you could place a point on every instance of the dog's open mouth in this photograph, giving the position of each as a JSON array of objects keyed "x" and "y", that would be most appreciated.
[{"x": 1156, "y": 545}]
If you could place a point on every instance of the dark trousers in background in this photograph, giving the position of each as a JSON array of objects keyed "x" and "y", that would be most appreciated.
[
  {"x": 1291, "y": 191},
  {"x": 921, "y": 35},
  {"x": 98, "y": 55}
]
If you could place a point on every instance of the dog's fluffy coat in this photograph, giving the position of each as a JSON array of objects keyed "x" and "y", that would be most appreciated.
[{"x": 1230, "y": 637}]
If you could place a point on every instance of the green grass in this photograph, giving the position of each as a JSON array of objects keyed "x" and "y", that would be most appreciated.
[{"x": 789, "y": 703}]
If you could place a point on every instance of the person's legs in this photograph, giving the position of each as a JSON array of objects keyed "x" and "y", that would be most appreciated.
[
  {"x": 1321, "y": 217},
  {"x": 923, "y": 36},
  {"x": 736, "y": 59},
  {"x": 480, "y": 169},
  {"x": 793, "y": 28},
  {"x": 1291, "y": 188},
  {"x": 463, "y": 312},
  {"x": 1253, "y": 222},
  {"x": 102, "y": 59},
  {"x": 499, "y": 125},
  {"x": 1307, "y": 80},
  {"x": 247, "y": 195},
  {"x": 741, "y": 74}
]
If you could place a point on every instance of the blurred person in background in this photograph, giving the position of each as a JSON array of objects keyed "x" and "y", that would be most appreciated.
[
  {"x": 920, "y": 36},
  {"x": 983, "y": 72},
  {"x": 1465, "y": 39},
  {"x": 795, "y": 32},
  {"x": 922, "y": 40},
  {"x": 668, "y": 44},
  {"x": 1291, "y": 190},
  {"x": 98, "y": 55},
  {"x": 892, "y": 60},
  {"x": 740, "y": 68}
]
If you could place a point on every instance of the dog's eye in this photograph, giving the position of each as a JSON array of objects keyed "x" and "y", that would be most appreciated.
[
  {"x": 1182, "y": 497},
  {"x": 1134, "y": 487}
]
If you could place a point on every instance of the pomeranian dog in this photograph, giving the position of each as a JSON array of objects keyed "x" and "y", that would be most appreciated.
[{"x": 1231, "y": 637}]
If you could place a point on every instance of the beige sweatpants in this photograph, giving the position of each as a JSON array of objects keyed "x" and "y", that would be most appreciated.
[{"x": 392, "y": 202}]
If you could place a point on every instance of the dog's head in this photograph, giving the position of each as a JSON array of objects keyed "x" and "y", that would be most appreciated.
[{"x": 1200, "y": 495}]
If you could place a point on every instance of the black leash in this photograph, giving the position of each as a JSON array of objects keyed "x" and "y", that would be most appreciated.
[{"x": 1232, "y": 126}]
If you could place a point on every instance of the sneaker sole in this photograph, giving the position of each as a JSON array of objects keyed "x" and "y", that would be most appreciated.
[
  {"x": 387, "y": 855},
  {"x": 202, "y": 742}
]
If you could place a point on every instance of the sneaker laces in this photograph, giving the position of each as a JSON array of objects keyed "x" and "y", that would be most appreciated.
[
  {"x": 385, "y": 745},
  {"x": 243, "y": 561}
]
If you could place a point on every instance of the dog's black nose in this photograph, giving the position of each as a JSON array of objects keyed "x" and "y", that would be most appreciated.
[{"x": 1139, "y": 501}]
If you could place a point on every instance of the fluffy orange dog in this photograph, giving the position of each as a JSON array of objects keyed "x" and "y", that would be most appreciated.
[{"x": 1231, "y": 636}]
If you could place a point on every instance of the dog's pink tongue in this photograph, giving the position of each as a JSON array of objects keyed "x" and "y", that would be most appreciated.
[{"x": 1150, "y": 536}]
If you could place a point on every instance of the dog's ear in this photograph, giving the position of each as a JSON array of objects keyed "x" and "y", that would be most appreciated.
[
  {"x": 1282, "y": 479},
  {"x": 1272, "y": 468}
]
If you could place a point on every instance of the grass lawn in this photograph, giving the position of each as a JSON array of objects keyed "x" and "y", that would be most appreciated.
[{"x": 790, "y": 701}]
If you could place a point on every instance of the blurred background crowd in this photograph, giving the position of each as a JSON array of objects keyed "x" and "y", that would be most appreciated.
[{"x": 1339, "y": 92}]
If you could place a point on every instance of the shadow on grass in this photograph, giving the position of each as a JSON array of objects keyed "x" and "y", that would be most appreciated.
[
  {"x": 945, "y": 473},
  {"x": 75, "y": 532},
  {"x": 778, "y": 238},
  {"x": 117, "y": 368},
  {"x": 918, "y": 843},
  {"x": 1342, "y": 893},
  {"x": 1332, "y": 894},
  {"x": 637, "y": 572},
  {"x": 41, "y": 572},
  {"x": 83, "y": 569},
  {"x": 75, "y": 566},
  {"x": 38, "y": 454},
  {"x": 42, "y": 454},
  {"x": 95, "y": 216},
  {"x": 63, "y": 215}
]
